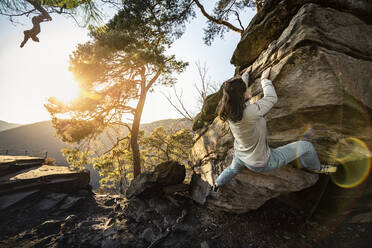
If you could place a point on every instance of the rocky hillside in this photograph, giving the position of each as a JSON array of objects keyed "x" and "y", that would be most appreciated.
[
  {"x": 321, "y": 58},
  {"x": 157, "y": 212},
  {"x": 23, "y": 176}
]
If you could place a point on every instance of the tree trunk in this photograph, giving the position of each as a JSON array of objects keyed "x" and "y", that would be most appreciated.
[
  {"x": 134, "y": 134},
  {"x": 121, "y": 173}
]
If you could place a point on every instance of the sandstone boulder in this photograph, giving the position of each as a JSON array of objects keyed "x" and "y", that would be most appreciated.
[
  {"x": 249, "y": 190},
  {"x": 321, "y": 59}
]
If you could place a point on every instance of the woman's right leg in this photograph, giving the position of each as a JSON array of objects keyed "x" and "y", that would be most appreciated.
[
  {"x": 230, "y": 172},
  {"x": 303, "y": 150}
]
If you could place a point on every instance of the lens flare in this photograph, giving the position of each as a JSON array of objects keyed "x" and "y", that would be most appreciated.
[
  {"x": 354, "y": 160},
  {"x": 307, "y": 131}
]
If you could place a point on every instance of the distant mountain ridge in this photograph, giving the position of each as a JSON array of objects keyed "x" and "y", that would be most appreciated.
[
  {"x": 6, "y": 125},
  {"x": 38, "y": 138}
]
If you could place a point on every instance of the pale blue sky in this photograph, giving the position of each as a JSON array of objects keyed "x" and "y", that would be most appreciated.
[{"x": 30, "y": 75}]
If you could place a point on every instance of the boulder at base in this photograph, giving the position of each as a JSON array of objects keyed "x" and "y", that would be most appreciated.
[
  {"x": 166, "y": 173},
  {"x": 248, "y": 190}
]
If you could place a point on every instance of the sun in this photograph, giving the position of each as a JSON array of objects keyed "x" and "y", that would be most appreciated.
[{"x": 65, "y": 88}]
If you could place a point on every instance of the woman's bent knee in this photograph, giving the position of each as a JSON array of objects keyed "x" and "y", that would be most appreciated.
[{"x": 306, "y": 145}]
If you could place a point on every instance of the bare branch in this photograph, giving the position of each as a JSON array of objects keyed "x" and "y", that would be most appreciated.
[
  {"x": 238, "y": 19},
  {"x": 202, "y": 70},
  {"x": 207, "y": 85},
  {"x": 218, "y": 21},
  {"x": 182, "y": 109},
  {"x": 27, "y": 13}
]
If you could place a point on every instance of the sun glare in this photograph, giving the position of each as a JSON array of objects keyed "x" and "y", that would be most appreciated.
[{"x": 66, "y": 88}]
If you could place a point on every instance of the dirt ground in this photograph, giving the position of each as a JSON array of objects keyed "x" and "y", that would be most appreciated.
[{"x": 101, "y": 221}]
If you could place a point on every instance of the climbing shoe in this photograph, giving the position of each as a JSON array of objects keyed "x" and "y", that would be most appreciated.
[{"x": 326, "y": 169}]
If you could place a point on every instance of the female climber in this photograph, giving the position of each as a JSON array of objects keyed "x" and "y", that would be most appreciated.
[{"x": 248, "y": 126}]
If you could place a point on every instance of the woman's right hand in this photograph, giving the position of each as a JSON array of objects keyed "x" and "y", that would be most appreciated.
[
  {"x": 266, "y": 74},
  {"x": 248, "y": 70}
]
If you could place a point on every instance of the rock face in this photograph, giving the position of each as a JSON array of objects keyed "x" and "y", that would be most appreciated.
[
  {"x": 321, "y": 58},
  {"x": 270, "y": 22}
]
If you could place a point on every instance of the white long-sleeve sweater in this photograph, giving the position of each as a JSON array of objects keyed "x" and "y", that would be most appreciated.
[{"x": 250, "y": 134}]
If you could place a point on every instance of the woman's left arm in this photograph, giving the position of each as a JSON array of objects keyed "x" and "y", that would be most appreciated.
[
  {"x": 245, "y": 76},
  {"x": 270, "y": 97}
]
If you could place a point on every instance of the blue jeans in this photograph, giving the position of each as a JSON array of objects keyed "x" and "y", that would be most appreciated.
[{"x": 303, "y": 150}]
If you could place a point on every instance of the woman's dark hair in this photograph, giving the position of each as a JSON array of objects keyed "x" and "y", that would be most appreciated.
[{"x": 232, "y": 103}]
